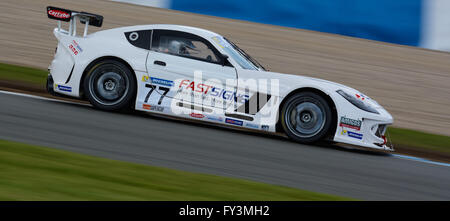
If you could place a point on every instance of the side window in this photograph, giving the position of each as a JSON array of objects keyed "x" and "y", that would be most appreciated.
[
  {"x": 184, "y": 44},
  {"x": 140, "y": 39}
]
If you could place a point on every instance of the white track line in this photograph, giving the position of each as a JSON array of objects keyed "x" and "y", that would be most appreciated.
[
  {"x": 41, "y": 98},
  {"x": 400, "y": 156},
  {"x": 418, "y": 159}
]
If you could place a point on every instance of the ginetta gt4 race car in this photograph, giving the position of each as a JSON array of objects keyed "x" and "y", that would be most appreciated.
[{"x": 198, "y": 74}]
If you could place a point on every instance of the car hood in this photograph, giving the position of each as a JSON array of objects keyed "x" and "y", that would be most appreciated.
[
  {"x": 299, "y": 80},
  {"x": 290, "y": 82}
]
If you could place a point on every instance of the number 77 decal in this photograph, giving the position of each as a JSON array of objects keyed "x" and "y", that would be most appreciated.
[{"x": 152, "y": 88}]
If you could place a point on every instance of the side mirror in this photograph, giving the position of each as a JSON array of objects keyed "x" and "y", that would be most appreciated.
[{"x": 224, "y": 59}]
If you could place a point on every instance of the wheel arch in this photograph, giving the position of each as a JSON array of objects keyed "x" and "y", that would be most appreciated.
[
  {"x": 96, "y": 61},
  {"x": 324, "y": 95}
]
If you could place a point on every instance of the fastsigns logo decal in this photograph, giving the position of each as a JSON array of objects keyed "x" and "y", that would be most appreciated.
[{"x": 213, "y": 91}]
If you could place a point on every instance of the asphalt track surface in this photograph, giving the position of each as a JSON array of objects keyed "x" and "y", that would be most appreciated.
[{"x": 152, "y": 140}]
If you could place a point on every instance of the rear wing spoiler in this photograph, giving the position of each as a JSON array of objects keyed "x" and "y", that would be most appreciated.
[{"x": 67, "y": 15}]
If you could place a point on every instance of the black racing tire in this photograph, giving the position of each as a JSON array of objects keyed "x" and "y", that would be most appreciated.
[
  {"x": 306, "y": 117},
  {"x": 50, "y": 85},
  {"x": 110, "y": 85}
]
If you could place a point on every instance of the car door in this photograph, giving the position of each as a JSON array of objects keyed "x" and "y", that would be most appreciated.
[{"x": 188, "y": 68}]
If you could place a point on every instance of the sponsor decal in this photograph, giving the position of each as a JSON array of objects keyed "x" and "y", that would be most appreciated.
[
  {"x": 213, "y": 91},
  {"x": 152, "y": 107},
  {"x": 146, "y": 106},
  {"x": 201, "y": 88},
  {"x": 63, "y": 88},
  {"x": 362, "y": 97},
  {"x": 265, "y": 127},
  {"x": 220, "y": 119},
  {"x": 196, "y": 115},
  {"x": 73, "y": 49},
  {"x": 157, "y": 108},
  {"x": 220, "y": 41},
  {"x": 77, "y": 45},
  {"x": 250, "y": 125},
  {"x": 59, "y": 14},
  {"x": 359, "y": 96},
  {"x": 352, "y": 134},
  {"x": 162, "y": 82},
  {"x": 228, "y": 95},
  {"x": 344, "y": 132},
  {"x": 158, "y": 81},
  {"x": 350, "y": 123},
  {"x": 233, "y": 121}
]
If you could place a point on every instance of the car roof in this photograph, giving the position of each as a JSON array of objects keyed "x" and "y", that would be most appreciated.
[{"x": 194, "y": 30}]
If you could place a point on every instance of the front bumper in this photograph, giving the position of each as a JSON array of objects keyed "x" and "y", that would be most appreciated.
[
  {"x": 370, "y": 133},
  {"x": 371, "y": 136}
]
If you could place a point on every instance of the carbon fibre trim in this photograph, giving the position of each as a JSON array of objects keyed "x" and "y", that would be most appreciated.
[
  {"x": 194, "y": 107},
  {"x": 70, "y": 75},
  {"x": 243, "y": 117}
]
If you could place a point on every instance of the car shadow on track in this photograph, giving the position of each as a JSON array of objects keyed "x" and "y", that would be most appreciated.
[{"x": 281, "y": 137}]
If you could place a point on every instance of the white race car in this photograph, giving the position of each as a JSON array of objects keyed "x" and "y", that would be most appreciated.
[{"x": 198, "y": 74}]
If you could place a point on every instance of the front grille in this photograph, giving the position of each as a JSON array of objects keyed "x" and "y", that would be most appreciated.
[{"x": 380, "y": 130}]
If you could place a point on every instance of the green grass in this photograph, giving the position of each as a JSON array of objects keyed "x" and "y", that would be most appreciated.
[
  {"x": 37, "y": 173},
  {"x": 419, "y": 140},
  {"x": 23, "y": 74}
]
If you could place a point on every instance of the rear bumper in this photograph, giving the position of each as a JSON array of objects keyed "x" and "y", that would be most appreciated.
[{"x": 50, "y": 86}]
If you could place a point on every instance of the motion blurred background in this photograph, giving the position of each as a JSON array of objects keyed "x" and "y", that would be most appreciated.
[{"x": 423, "y": 23}]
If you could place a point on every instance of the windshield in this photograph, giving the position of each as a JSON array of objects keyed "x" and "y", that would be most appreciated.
[{"x": 239, "y": 55}]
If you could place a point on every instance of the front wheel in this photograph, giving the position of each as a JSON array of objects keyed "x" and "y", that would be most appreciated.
[
  {"x": 306, "y": 117},
  {"x": 110, "y": 85}
]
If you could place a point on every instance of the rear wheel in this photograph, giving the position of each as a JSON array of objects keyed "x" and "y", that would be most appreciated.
[
  {"x": 306, "y": 117},
  {"x": 49, "y": 85},
  {"x": 110, "y": 85}
]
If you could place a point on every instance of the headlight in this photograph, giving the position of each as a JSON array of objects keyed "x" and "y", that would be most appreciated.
[{"x": 358, "y": 103}]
